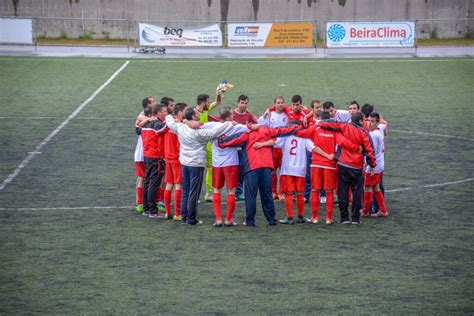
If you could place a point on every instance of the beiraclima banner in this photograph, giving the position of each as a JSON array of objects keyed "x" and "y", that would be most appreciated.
[
  {"x": 270, "y": 34},
  {"x": 154, "y": 35},
  {"x": 370, "y": 34}
]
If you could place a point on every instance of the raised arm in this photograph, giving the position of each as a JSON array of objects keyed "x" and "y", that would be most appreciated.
[
  {"x": 306, "y": 133},
  {"x": 345, "y": 143},
  {"x": 284, "y": 131},
  {"x": 170, "y": 122},
  {"x": 210, "y": 134}
]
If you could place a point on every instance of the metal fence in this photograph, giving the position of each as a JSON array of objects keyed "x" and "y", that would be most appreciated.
[{"x": 126, "y": 30}]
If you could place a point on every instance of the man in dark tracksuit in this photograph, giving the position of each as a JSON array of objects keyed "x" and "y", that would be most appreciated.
[
  {"x": 257, "y": 167},
  {"x": 153, "y": 151},
  {"x": 350, "y": 164}
]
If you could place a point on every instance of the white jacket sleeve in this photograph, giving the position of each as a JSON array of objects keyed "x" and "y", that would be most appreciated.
[
  {"x": 209, "y": 134},
  {"x": 171, "y": 123}
]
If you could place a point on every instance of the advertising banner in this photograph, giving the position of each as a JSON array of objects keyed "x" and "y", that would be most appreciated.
[
  {"x": 154, "y": 35},
  {"x": 270, "y": 34},
  {"x": 370, "y": 34},
  {"x": 16, "y": 31}
]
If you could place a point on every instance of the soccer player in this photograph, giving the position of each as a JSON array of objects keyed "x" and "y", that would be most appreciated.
[
  {"x": 225, "y": 168},
  {"x": 192, "y": 155},
  {"x": 169, "y": 102},
  {"x": 308, "y": 122},
  {"x": 242, "y": 115},
  {"x": 204, "y": 107},
  {"x": 374, "y": 175},
  {"x": 173, "y": 176},
  {"x": 350, "y": 164},
  {"x": 323, "y": 165},
  {"x": 147, "y": 104},
  {"x": 153, "y": 151},
  {"x": 353, "y": 107},
  {"x": 275, "y": 119},
  {"x": 293, "y": 171},
  {"x": 257, "y": 165}
]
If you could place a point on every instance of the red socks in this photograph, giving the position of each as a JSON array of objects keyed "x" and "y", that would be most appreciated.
[
  {"x": 139, "y": 195},
  {"x": 217, "y": 206},
  {"x": 300, "y": 204},
  {"x": 315, "y": 204},
  {"x": 289, "y": 204},
  {"x": 367, "y": 201},
  {"x": 177, "y": 202},
  {"x": 230, "y": 207},
  {"x": 329, "y": 204},
  {"x": 380, "y": 201},
  {"x": 167, "y": 198}
]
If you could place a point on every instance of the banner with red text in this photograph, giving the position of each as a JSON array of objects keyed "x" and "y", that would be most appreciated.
[{"x": 370, "y": 34}]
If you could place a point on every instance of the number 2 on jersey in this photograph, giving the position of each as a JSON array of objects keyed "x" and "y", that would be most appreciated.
[{"x": 294, "y": 145}]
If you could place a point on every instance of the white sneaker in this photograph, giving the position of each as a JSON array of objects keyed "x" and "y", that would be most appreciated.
[{"x": 322, "y": 200}]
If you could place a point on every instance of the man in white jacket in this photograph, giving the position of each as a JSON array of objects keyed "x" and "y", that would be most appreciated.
[{"x": 192, "y": 155}]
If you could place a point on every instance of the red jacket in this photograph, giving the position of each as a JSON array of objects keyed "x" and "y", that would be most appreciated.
[
  {"x": 153, "y": 139},
  {"x": 256, "y": 158},
  {"x": 171, "y": 147},
  {"x": 326, "y": 140},
  {"x": 359, "y": 137}
]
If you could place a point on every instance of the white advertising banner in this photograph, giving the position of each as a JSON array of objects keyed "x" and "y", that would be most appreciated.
[
  {"x": 370, "y": 34},
  {"x": 16, "y": 31},
  {"x": 154, "y": 35}
]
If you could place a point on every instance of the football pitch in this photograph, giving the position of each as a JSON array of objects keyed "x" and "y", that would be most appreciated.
[{"x": 71, "y": 243}]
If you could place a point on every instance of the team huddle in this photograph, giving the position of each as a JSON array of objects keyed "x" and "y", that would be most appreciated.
[{"x": 291, "y": 153}]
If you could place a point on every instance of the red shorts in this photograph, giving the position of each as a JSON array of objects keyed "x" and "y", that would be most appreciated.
[
  {"x": 140, "y": 169},
  {"x": 173, "y": 173},
  {"x": 372, "y": 180},
  {"x": 230, "y": 174},
  {"x": 277, "y": 156},
  {"x": 291, "y": 184},
  {"x": 323, "y": 179}
]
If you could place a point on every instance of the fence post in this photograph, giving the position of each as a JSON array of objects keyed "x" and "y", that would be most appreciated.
[
  {"x": 128, "y": 35},
  {"x": 416, "y": 39},
  {"x": 315, "y": 30},
  {"x": 134, "y": 35}
]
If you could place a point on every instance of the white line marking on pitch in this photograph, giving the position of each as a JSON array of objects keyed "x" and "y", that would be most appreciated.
[
  {"x": 58, "y": 129},
  {"x": 431, "y": 134},
  {"x": 238, "y": 202}
]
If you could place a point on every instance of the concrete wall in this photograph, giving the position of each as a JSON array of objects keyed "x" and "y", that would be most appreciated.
[{"x": 235, "y": 10}]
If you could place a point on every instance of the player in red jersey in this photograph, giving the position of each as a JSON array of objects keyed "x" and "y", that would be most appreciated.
[
  {"x": 323, "y": 165},
  {"x": 153, "y": 151},
  {"x": 242, "y": 115},
  {"x": 147, "y": 103},
  {"x": 173, "y": 176},
  {"x": 373, "y": 176}
]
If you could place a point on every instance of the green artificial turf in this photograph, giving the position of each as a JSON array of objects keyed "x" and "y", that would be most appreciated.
[{"x": 59, "y": 260}]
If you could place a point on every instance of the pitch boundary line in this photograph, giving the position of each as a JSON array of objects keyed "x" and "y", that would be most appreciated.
[
  {"x": 48, "y": 138},
  {"x": 430, "y": 134},
  {"x": 237, "y": 202},
  {"x": 60, "y": 118}
]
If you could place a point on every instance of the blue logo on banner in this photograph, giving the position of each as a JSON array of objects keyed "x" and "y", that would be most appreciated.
[{"x": 336, "y": 32}]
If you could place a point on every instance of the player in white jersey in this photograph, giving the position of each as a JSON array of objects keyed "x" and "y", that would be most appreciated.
[
  {"x": 275, "y": 119},
  {"x": 147, "y": 104},
  {"x": 225, "y": 168},
  {"x": 373, "y": 176},
  {"x": 293, "y": 171}
]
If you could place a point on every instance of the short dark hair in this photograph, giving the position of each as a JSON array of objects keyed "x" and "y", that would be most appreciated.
[
  {"x": 356, "y": 118},
  {"x": 296, "y": 98},
  {"x": 202, "y": 98},
  {"x": 225, "y": 113},
  {"x": 179, "y": 107},
  {"x": 325, "y": 115},
  {"x": 145, "y": 102},
  {"x": 313, "y": 102},
  {"x": 376, "y": 115},
  {"x": 327, "y": 105},
  {"x": 147, "y": 111},
  {"x": 355, "y": 102},
  {"x": 157, "y": 108},
  {"x": 166, "y": 100},
  {"x": 294, "y": 122},
  {"x": 366, "y": 109},
  {"x": 189, "y": 113},
  {"x": 242, "y": 97},
  {"x": 275, "y": 100}
]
